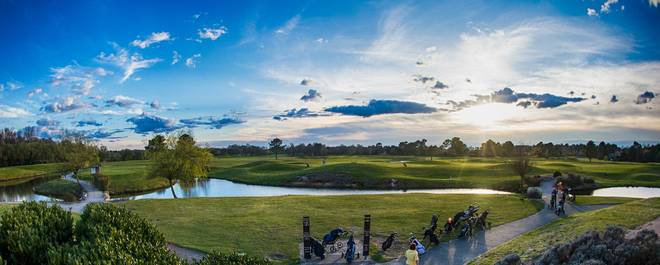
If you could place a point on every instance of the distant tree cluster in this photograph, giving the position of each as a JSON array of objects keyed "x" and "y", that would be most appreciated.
[
  {"x": 17, "y": 148},
  {"x": 23, "y": 147},
  {"x": 456, "y": 147}
]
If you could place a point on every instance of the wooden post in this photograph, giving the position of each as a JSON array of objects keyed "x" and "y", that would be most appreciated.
[
  {"x": 307, "y": 242},
  {"x": 367, "y": 235}
]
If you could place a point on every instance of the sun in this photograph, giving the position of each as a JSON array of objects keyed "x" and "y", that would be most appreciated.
[{"x": 488, "y": 116}]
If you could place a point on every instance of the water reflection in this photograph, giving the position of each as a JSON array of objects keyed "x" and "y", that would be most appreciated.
[
  {"x": 632, "y": 192},
  {"x": 225, "y": 188},
  {"x": 22, "y": 192}
]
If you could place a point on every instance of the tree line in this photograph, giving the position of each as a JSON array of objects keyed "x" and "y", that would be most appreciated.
[{"x": 24, "y": 148}]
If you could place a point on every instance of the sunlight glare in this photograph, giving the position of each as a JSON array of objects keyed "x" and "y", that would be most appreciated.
[{"x": 488, "y": 116}]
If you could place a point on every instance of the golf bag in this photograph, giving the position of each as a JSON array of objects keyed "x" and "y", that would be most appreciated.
[
  {"x": 420, "y": 248},
  {"x": 388, "y": 242},
  {"x": 318, "y": 248},
  {"x": 350, "y": 250}
]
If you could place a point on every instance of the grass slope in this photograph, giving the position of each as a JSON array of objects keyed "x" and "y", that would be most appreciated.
[
  {"x": 61, "y": 189},
  {"x": 271, "y": 227},
  {"x": 533, "y": 243},
  {"x": 18, "y": 174},
  {"x": 587, "y": 200},
  {"x": 127, "y": 177}
]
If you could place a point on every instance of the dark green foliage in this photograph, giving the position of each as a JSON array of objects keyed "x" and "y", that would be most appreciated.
[
  {"x": 230, "y": 259},
  {"x": 115, "y": 236},
  {"x": 33, "y": 233},
  {"x": 30, "y": 229}
]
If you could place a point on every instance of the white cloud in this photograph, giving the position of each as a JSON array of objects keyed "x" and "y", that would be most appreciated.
[
  {"x": 211, "y": 33},
  {"x": 592, "y": 12},
  {"x": 11, "y": 85},
  {"x": 129, "y": 63},
  {"x": 605, "y": 7},
  {"x": 12, "y": 112},
  {"x": 123, "y": 101},
  {"x": 321, "y": 40},
  {"x": 289, "y": 26},
  {"x": 70, "y": 103},
  {"x": 34, "y": 92},
  {"x": 155, "y": 37},
  {"x": 175, "y": 57},
  {"x": 190, "y": 62}
]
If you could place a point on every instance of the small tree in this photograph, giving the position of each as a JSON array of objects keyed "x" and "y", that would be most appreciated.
[
  {"x": 590, "y": 150},
  {"x": 521, "y": 167},
  {"x": 79, "y": 154},
  {"x": 178, "y": 158},
  {"x": 275, "y": 146}
]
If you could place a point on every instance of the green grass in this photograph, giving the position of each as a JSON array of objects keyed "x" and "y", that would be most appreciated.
[
  {"x": 61, "y": 189},
  {"x": 421, "y": 172},
  {"x": 533, "y": 243},
  {"x": 372, "y": 172},
  {"x": 128, "y": 177},
  {"x": 18, "y": 174},
  {"x": 587, "y": 200},
  {"x": 271, "y": 226}
]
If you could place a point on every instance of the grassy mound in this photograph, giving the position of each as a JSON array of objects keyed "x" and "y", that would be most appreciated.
[
  {"x": 59, "y": 188},
  {"x": 128, "y": 177}
]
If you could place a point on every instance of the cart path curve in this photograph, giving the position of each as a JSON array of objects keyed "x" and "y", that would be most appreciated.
[{"x": 461, "y": 251}]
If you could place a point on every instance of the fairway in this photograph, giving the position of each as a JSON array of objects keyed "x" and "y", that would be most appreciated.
[
  {"x": 272, "y": 227},
  {"x": 422, "y": 172},
  {"x": 366, "y": 172},
  {"x": 533, "y": 243}
]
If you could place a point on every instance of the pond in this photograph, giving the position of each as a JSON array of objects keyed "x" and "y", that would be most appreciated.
[
  {"x": 632, "y": 192},
  {"x": 22, "y": 191},
  {"x": 225, "y": 188}
]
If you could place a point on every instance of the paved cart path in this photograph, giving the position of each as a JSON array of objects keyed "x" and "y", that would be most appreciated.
[
  {"x": 461, "y": 251},
  {"x": 94, "y": 195}
]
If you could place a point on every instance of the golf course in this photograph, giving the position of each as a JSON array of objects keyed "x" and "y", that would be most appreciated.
[
  {"x": 271, "y": 227},
  {"x": 377, "y": 172}
]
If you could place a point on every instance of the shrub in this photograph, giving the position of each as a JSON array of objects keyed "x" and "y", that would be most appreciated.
[
  {"x": 28, "y": 230},
  {"x": 230, "y": 259},
  {"x": 101, "y": 182},
  {"x": 534, "y": 193},
  {"x": 116, "y": 236},
  {"x": 556, "y": 174}
]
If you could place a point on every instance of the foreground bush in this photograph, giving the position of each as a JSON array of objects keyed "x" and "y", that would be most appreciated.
[
  {"x": 30, "y": 229},
  {"x": 110, "y": 235},
  {"x": 33, "y": 233},
  {"x": 230, "y": 259}
]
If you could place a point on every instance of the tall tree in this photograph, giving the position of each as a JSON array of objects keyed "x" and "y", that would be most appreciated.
[
  {"x": 79, "y": 154},
  {"x": 521, "y": 166},
  {"x": 179, "y": 159},
  {"x": 489, "y": 148},
  {"x": 590, "y": 150},
  {"x": 275, "y": 146},
  {"x": 457, "y": 147}
]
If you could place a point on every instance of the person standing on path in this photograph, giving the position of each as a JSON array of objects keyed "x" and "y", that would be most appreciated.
[{"x": 412, "y": 257}]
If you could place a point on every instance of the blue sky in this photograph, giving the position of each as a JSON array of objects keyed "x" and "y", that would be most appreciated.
[{"x": 332, "y": 71}]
